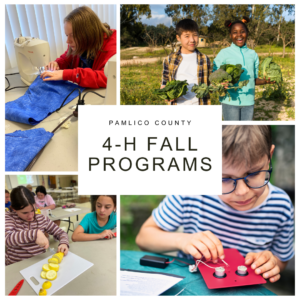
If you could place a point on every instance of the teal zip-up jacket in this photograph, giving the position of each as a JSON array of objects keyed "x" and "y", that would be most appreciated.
[{"x": 250, "y": 62}]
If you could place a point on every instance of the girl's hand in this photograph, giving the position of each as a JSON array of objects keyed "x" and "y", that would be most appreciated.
[
  {"x": 202, "y": 244},
  {"x": 41, "y": 240},
  {"x": 63, "y": 248},
  {"x": 264, "y": 263},
  {"x": 55, "y": 75},
  {"x": 106, "y": 233},
  {"x": 52, "y": 66},
  {"x": 268, "y": 81}
]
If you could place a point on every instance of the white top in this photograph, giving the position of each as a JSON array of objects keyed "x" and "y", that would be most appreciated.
[{"x": 187, "y": 70}]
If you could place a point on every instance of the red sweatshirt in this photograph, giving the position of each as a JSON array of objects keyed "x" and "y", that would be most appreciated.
[{"x": 91, "y": 78}]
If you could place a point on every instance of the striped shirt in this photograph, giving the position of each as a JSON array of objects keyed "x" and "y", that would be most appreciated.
[
  {"x": 172, "y": 62},
  {"x": 20, "y": 236},
  {"x": 269, "y": 226}
]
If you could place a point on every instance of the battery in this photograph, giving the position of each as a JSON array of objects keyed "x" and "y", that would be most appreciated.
[
  {"x": 220, "y": 272},
  {"x": 241, "y": 271}
]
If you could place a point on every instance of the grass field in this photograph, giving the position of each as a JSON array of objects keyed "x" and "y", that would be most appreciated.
[
  {"x": 146, "y": 52},
  {"x": 271, "y": 103}
]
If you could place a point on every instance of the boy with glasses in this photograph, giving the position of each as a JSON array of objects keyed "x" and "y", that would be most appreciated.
[{"x": 251, "y": 215}]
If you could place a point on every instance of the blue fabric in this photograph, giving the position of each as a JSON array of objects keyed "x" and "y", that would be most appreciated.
[
  {"x": 90, "y": 223},
  {"x": 193, "y": 283},
  {"x": 250, "y": 62},
  {"x": 237, "y": 113},
  {"x": 7, "y": 205},
  {"x": 22, "y": 146},
  {"x": 40, "y": 100}
]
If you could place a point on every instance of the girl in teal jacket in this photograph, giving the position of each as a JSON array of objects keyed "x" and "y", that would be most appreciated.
[{"x": 241, "y": 104}]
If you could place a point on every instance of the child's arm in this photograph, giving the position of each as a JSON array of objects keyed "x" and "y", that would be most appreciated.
[
  {"x": 52, "y": 206},
  {"x": 266, "y": 263},
  {"x": 80, "y": 235},
  {"x": 14, "y": 237},
  {"x": 153, "y": 238},
  {"x": 50, "y": 202},
  {"x": 165, "y": 73},
  {"x": 58, "y": 233}
]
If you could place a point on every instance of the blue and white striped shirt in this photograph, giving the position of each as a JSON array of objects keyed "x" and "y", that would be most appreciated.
[{"x": 269, "y": 226}]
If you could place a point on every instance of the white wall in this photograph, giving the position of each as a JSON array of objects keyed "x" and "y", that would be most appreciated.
[{"x": 46, "y": 23}]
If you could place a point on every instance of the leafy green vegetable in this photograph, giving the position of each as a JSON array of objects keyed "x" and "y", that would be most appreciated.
[
  {"x": 173, "y": 90},
  {"x": 220, "y": 76},
  {"x": 235, "y": 71},
  {"x": 269, "y": 69},
  {"x": 227, "y": 75}
]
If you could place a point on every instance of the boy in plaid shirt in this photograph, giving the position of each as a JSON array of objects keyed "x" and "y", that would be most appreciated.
[{"x": 187, "y": 64}]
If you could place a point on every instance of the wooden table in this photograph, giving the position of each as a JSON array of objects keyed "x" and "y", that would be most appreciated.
[
  {"x": 100, "y": 279},
  {"x": 61, "y": 153}
]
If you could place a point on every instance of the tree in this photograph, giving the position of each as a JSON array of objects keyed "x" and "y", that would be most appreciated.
[
  {"x": 277, "y": 12},
  {"x": 167, "y": 37},
  {"x": 198, "y": 13},
  {"x": 133, "y": 13},
  {"x": 131, "y": 27},
  {"x": 287, "y": 34}
]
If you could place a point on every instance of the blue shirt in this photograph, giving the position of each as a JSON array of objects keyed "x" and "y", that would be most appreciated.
[
  {"x": 90, "y": 223},
  {"x": 86, "y": 62},
  {"x": 7, "y": 205},
  {"x": 269, "y": 226},
  {"x": 250, "y": 63}
]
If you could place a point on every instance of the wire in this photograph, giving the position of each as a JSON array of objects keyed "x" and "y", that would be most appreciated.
[
  {"x": 12, "y": 74},
  {"x": 79, "y": 92},
  {"x": 93, "y": 93},
  {"x": 15, "y": 87},
  {"x": 183, "y": 262}
]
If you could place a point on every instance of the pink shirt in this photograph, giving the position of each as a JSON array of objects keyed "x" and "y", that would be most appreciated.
[{"x": 46, "y": 201}]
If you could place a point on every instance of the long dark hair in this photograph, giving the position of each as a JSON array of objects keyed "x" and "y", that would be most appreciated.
[
  {"x": 41, "y": 189},
  {"x": 94, "y": 198},
  {"x": 21, "y": 197}
]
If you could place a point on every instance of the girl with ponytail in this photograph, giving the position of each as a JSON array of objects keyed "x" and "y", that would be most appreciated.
[{"x": 240, "y": 105}]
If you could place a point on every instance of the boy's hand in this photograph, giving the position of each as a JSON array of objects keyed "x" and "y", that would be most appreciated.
[
  {"x": 201, "y": 244},
  {"x": 63, "y": 248},
  {"x": 264, "y": 263},
  {"x": 170, "y": 101}
]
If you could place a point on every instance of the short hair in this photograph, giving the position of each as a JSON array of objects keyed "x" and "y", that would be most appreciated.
[
  {"x": 88, "y": 31},
  {"x": 29, "y": 186},
  {"x": 186, "y": 25},
  {"x": 229, "y": 24},
  {"x": 6, "y": 192},
  {"x": 245, "y": 144},
  {"x": 41, "y": 189}
]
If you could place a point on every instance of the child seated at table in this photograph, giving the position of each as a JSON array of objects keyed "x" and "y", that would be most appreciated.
[
  {"x": 7, "y": 200},
  {"x": 251, "y": 215},
  {"x": 24, "y": 230},
  {"x": 99, "y": 223}
]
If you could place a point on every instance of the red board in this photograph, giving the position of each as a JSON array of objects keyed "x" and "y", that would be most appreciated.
[{"x": 234, "y": 259}]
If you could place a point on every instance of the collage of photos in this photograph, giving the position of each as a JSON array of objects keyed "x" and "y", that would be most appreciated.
[{"x": 237, "y": 58}]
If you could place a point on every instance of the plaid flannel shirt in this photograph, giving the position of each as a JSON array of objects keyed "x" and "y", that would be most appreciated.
[{"x": 171, "y": 64}]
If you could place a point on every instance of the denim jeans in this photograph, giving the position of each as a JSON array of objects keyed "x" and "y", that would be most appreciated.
[{"x": 237, "y": 113}]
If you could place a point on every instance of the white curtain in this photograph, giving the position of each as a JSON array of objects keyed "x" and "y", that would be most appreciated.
[{"x": 46, "y": 23}]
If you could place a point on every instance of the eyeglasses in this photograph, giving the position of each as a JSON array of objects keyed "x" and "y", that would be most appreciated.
[{"x": 254, "y": 180}]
